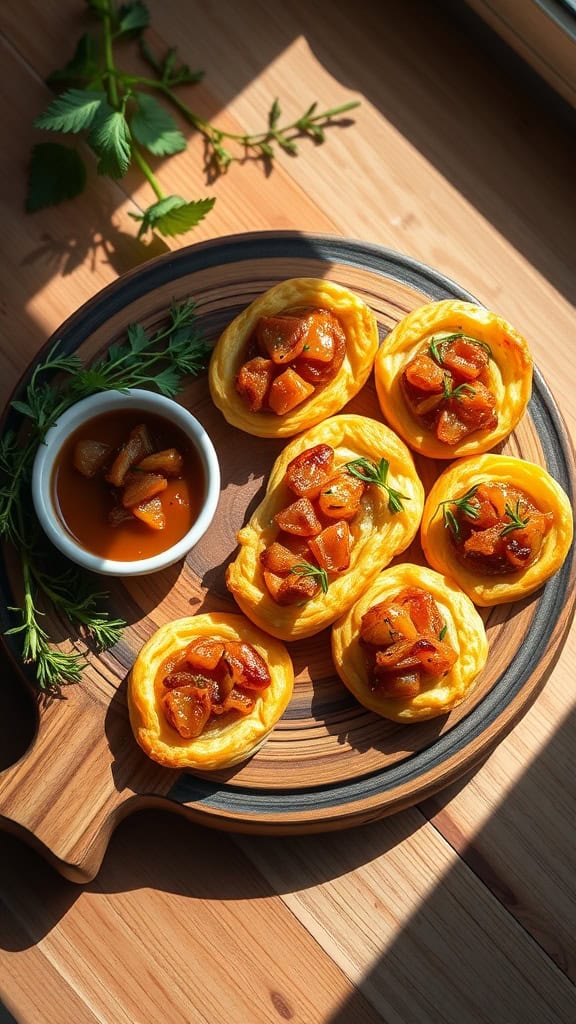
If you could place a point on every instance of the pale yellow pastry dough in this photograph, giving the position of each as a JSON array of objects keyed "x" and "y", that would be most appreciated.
[
  {"x": 544, "y": 492},
  {"x": 464, "y": 631},
  {"x": 359, "y": 325},
  {"x": 510, "y": 373},
  {"x": 226, "y": 740},
  {"x": 377, "y": 535}
]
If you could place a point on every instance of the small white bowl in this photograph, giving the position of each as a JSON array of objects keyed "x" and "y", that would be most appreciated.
[{"x": 110, "y": 402}]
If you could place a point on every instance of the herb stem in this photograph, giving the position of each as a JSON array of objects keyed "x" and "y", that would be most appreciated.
[
  {"x": 148, "y": 173},
  {"x": 158, "y": 360},
  {"x": 215, "y": 135},
  {"x": 109, "y": 58}
]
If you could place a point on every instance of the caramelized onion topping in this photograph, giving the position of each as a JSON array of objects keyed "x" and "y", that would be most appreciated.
[
  {"x": 496, "y": 528},
  {"x": 404, "y": 643},
  {"x": 213, "y": 677},
  {"x": 447, "y": 387},
  {"x": 289, "y": 356}
]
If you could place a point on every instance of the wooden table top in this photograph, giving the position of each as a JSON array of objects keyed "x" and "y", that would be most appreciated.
[{"x": 462, "y": 908}]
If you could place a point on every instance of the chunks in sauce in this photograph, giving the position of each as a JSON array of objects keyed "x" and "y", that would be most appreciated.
[
  {"x": 448, "y": 388},
  {"x": 128, "y": 485},
  {"x": 403, "y": 640},
  {"x": 496, "y": 528},
  {"x": 138, "y": 472},
  {"x": 213, "y": 677},
  {"x": 313, "y": 539},
  {"x": 289, "y": 356}
]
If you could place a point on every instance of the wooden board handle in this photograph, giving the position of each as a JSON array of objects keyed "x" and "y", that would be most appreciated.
[{"x": 70, "y": 790}]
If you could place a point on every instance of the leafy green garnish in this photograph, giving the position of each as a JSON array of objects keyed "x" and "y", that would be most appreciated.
[
  {"x": 117, "y": 113},
  {"x": 159, "y": 360},
  {"x": 443, "y": 632},
  {"x": 173, "y": 215},
  {"x": 112, "y": 141},
  {"x": 516, "y": 521},
  {"x": 457, "y": 392},
  {"x": 436, "y": 344},
  {"x": 154, "y": 128},
  {"x": 74, "y": 111},
  {"x": 463, "y": 504},
  {"x": 377, "y": 473},
  {"x": 132, "y": 17},
  {"x": 84, "y": 66},
  {"x": 307, "y": 569}
]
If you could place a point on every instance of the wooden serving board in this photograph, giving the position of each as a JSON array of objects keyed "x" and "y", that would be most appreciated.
[{"x": 329, "y": 764}]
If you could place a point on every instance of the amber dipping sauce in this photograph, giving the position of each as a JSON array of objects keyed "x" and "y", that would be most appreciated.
[{"x": 84, "y": 505}]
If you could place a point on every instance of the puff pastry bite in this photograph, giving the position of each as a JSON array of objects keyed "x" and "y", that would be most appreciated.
[
  {"x": 342, "y": 501},
  {"x": 206, "y": 691},
  {"x": 412, "y": 647},
  {"x": 296, "y": 355},
  {"x": 500, "y": 526},
  {"x": 453, "y": 379}
]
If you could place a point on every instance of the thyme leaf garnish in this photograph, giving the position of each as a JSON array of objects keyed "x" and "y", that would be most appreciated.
[
  {"x": 436, "y": 345},
  {"x": 457, "y": 392},
  {"x": 517, "y": 523},
  {"x": 463, "y": 504},
  {"x": 307, "y": 569},
  {"x": 377, "y": 473}
]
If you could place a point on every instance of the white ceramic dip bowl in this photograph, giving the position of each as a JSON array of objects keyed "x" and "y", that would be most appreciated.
[{"x": 111, "y": 402}]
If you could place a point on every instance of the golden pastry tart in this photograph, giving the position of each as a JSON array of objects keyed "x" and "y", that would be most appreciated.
[
  {"x": 382, "y": 614},
  {"x": 231, "y": 735},
  {"x": 384, "y": 524},
  {"x": 500, "y": 526},
  {"x": 274, "y": 373},
  {"x": 453, "y": 379}
]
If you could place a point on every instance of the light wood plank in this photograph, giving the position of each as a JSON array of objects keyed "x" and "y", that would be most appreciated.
[
  {"x": 522, "y": 848},
  {"x": 412, "y": 927},
  {"x": 190, "y": 932},
  {"x": 449, "y": 162}
]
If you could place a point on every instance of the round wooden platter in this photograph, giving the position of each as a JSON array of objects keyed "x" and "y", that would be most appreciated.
[{"x": 329, "y": 764}]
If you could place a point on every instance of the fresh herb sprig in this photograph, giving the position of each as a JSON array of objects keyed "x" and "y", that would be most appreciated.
[
  {"x": 160, "y": 360},
  {"x": 377, "y": 473},
  {"x": 436, "y": 344},
  {"x": 516, "y": 520},
  {"x": 122, "y": 121},
  {"x": 457, "y": 392},
  {"x": 463, "y": 504},
  {"x": 315, "y": 571}
]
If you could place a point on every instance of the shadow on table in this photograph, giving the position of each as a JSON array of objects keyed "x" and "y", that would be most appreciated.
[
  {"x": 464, "y": 134},
  {"x": 152, "y": 850},
  {"x": 531, "y": 211}
]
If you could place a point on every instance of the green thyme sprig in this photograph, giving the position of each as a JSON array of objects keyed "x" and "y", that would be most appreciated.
[
  {"x": 516, "y": 520},
  {"x": 436, "y": 344},
  {"x": 463, "y": 504},
  {"x": 160, "y": 360},
  {"x": 377, "y": 473},
  {"x": 457, "y": 392},
  {"x": 315, "y": 571},
  {"x": 120, "y": 118}
]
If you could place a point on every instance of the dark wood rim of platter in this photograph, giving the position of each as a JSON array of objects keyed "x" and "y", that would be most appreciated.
[{"x": 269, "y": 804}]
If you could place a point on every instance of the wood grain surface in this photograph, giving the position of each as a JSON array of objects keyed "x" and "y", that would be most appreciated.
[
  {"x": 458, "y": 909},
  {"x": 329, "y": 763}
]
